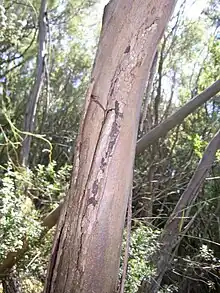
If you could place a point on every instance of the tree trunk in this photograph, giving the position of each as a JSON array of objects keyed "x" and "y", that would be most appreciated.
[
  {"x": 152, "y": 136},
  {"x": 148, "y": 93},
  {"x": 30, "y": 113},
  {"x": 86, "y": 250},
  {"x": 161, "y": 130}
]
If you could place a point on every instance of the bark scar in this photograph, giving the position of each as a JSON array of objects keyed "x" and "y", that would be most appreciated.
[
  {"x": 108, "y": 137},
  {"x": 95, "y": 99}
]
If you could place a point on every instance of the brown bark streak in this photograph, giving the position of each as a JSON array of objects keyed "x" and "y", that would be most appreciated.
[{"x": 85, "y": 256}]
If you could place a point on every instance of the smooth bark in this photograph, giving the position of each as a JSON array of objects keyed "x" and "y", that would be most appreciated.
[
  {"x": 148, "y": 93},
  {"x": 51, "y": 219},
  {"x": 86, "y": 250},
  {"x": 30, "y": 113}
]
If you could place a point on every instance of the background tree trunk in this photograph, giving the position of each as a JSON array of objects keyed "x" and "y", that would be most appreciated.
[
  {"x": 148, "y": 93},
  {"x": 86, "y": 251},
  {"x": 31, "y": 108}
]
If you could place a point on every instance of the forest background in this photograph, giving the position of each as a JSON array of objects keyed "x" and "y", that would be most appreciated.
[{"x": 44, "y": 73}]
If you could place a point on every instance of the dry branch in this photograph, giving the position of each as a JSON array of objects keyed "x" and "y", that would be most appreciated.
[
  {"x": 175, "y": 119},
  {"x": 175, "y": 223}
]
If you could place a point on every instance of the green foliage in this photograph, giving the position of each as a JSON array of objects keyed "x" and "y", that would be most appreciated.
[
  {"x": 19, "y": 221},
  {"x": 212, "y": 64},
  {"x": 198, "y": 144},
  {"x": 143, "y": 244},
  {"x": 32, "y": 267},
  {"x": 22, "y": 195},
  {"x": 191, "y": 61},
  {"x": 49, "y": 185},
  {"x": 68, "y": 65}
]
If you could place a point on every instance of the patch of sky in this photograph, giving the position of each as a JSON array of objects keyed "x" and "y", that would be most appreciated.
[{"x": 92, "y": 25}]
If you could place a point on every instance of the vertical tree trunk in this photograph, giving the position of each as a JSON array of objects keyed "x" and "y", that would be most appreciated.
[
  {"x": 30, "y": 113},
  {"x": 86, "y": 250},
  {"x": 148, "y": 93},
  {"x": 153, "y": 135}
]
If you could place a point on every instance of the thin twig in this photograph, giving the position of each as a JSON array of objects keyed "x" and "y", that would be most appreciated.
[{"x": 126, "y": 255}]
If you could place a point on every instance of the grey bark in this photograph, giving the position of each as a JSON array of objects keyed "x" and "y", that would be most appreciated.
[
  {"x": 148, "y": 92},
  {"x": 31, "y": 108}
]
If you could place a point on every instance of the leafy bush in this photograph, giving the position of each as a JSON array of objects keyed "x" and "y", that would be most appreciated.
[
  {"x": 24, "y": 194},
  {"x": 143, "y": 244},
  {"x": 19, "y": 220}
]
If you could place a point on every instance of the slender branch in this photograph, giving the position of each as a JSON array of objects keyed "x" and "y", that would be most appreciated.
[
  {"x": 175, "y": 119},
  {"x": 175, "y": 223},
  {"x": 148, "y": 92},
  {"x": 30, "y": 114},
  {"x": 50, "y": 220}
]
